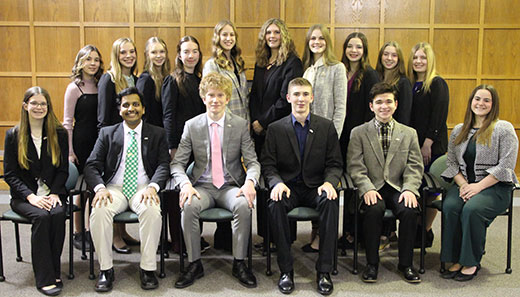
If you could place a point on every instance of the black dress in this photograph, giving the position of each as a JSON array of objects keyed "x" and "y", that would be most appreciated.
[
  {"x": 84, "y": 134},
  {"x": 154, "y": 111}
]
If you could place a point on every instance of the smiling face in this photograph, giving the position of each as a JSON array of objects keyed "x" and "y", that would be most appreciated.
[
  {"x": 354, "y": 50},
  {"x": 482, "y": 103},
  {"x": 420, "y": 61},
  {"x": 300, "y": 98},
  {"x": 127, "y": 55},
  {"x": 384, "y": 106},
  {"x": 215, "y": 100},
  {"x": 36, "y": 107},
  {"x": 131, "y": 110},
  {"x": 227, "y": 38},
  {"x": 273, "y": 36},
  {"x": 91, "y": 64},
  {"x": 189, "y": 55},
  {"x": 389, "y": 59},
  {"x": 317, "y": 43},
  {"x": 157, "y": 54}
]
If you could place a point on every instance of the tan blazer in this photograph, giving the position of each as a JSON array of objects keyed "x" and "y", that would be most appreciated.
[{"x": 366, "y": 164}]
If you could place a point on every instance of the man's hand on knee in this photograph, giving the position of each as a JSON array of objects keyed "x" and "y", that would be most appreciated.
[
  {"x": 102, "y": 198},
  {"x": 329, "y": 189},
  {"x": 409, "y": 199},
  {"x": 187, "y": 193},
  {"x": 248, "y": 190},
  {"x": 371, "y": 197},
  {"x": 150, "y": 195},
  {"x": 278, "y": 190}
]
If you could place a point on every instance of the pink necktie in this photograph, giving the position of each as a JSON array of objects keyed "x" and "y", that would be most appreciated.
[{"x": 216, "y": 158}]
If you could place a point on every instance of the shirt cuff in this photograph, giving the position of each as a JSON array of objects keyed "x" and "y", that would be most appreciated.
[
  {"x": 156, "y": 186},
  {"x": 99, "y": 187},
  {"x": 255, "y": 182}
]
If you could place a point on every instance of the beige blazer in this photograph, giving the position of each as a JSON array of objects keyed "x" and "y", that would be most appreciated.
[{"x": 402, "y": 169}]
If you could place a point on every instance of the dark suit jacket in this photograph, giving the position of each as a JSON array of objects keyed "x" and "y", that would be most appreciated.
[
  {"x": 107, "y": 110},
  {"x": 23, "y": 182},
  {"x": 108, "y": 151},
  {"x": 321, "y": 159},
  {"x": 267, "y": 101},
  {"x": 146, "y": 86}
]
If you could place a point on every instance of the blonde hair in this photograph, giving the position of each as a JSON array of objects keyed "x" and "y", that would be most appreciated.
[
  {"x": 328, "y": 55},
  {"x": 50, "y": 124},
  {"x": 399, "y": 70},
  {"x": 218, "y": 52},
  {"x": 157, "y": 76},
  {"x": 215, "y": 80},
  {"x": 263, "y": 52},
  {"x": 79, "y": 64},
  {"x": 431, "y": 72},
  {"x": 115, "y": 66}
]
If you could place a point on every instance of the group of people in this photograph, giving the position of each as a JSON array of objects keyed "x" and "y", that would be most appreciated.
[{"x": 302, "y": 125}]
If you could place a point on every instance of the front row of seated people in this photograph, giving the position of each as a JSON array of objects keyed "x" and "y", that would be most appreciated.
[{"x": 301, "y": 162}]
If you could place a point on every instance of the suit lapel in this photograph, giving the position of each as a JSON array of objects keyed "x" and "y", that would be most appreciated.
[
  {"x": 373, "y": 138},
  {"x": 145, "y": 140},
  {"x": 397, "y": 137},
  {"x": 291, "y": 135},
  {"x": 204, "y": 132},
  {"x": 119, "y": 143},
  {"x": 227, "y": 134},
  {"x": 310, "y": 139}
]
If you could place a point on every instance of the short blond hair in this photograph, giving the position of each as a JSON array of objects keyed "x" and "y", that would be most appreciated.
[{"x": 215, "y": 80}]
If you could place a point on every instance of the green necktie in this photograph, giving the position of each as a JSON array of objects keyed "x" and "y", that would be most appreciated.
[{"x": 131, "y": 164}]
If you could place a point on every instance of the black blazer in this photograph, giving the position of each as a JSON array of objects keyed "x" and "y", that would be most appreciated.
[
  {"x": 106, "y": 157},
  {"x": 23, "y": 182},
  {"x": 404, "y": 101},
  {"x": 321, "y": 159},
  {"x": 154, "y": 113},
  {"x": 107, "y": 110},
  {"x": 429, "y": 115},
  {"x": 267, "y": 101}
]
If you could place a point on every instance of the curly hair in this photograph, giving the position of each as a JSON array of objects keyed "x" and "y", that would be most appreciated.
[
  {"x": 263, "y": 52},
  {"x": 215, "y": 80},
  {"x": 79, "y": 64},
  {"x": 218, "y": 53}
]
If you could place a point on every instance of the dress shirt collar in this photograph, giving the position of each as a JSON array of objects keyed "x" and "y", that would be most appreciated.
[
  {"x": 307, "y": 120},
  {"x": 219, "y": 122},
  {"x": 137, "y": 129}
]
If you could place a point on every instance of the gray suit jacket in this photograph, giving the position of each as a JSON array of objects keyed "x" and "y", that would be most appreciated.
[
  {"x": 235, "y": 145},
  {"x": 366, "y": 164}
]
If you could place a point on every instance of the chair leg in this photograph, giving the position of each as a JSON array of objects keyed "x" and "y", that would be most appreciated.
[
  {"x": 423, "y": 233},
  {"x": 181, "y": 250},
  {"x": 443, "y": 265},
  {"x": 356, "y": 216},
  {"x": 91, "y": 254},
  {"x": 2, "y": 277},
  {"x": 267, "y": 239},
  {"x": 162, "y": 274},
  {"x": 335, "y": 269},
  {"x": 509, "y": 235},
  {"x": 17, "y": 239},
  {"x": 71, "y": 245},
  {"x": 250, "y": 245},
  {"x": 83, "y": 205}
]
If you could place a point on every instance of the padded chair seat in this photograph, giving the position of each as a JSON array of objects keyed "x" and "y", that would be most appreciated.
[
  {"x": 216, "y": 215},
  {"x": 13, "y": 216},
  {"x": 126, "y": 217},
  {"x": 303, "y": 214},
  {"x": 437, "y": 204}
]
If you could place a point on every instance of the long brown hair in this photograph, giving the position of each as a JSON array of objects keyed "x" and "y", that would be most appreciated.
[
  {"x": 363, "y": 62},
  {"x": 178, "y": 72},
  {"x": 218, "y": 52},
  {"x": 115, "y": 65},
  {"x": 399, "y": 70},
  {"x": 328, "y": 55},
  {"x": 50, "y": 124},
  {"x": 483, "y": 135},
  {"x": 263, "y": 52},
  {"x": 157, "y": 76},
  {"x": 79, "y": 64}
]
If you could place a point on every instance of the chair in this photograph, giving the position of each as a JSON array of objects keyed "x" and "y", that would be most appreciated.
[
  {"x": 389, "y": 215},
  {"x": 130, "y": 217},
  {"x": 14, "y": 217},
  {"x": 439, "y": 185},
  {"x": 299, "y": 214}
]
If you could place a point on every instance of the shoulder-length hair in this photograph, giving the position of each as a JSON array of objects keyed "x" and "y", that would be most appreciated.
[
  {"x": 431, "y": 71},
  {"x": 328, "y": 55},
  {"x": 178, "y": 72},
  {"x": 483, "y": 135},
  {"x": 50, "y": 125},
  {"x": 364, "y": 62},
  {"x": 263, "y": 52},
  {"x": 218, "y": 52},
  {"x": 79, "y": 64},
  {"x": 395, "y": 74},
  {"x": 115, "y": 65},
  {"x": 157, "y": 76}
]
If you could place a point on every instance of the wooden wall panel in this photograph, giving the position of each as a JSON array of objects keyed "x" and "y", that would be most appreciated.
[
  {"x": 14, "y": 11},
  {"x": 372, "y": 38},
  {"x": 406, "y": 38},
  {"x": 170, "y": 36},
  {"x": 508, "y": 91},
  {"x": 459, "y": 93},
  {"x": 357, "y": 12},
  {"x": 57, "y": 48},
  {"x": 298, "y": 36},
  {"x": 207, "y": 12},
  {"x": 103, "y": 38},
  {"x": 18, "y": 56},
  {"x": 3, "y": 130},
  {"x": 56, "y": 10},
  {"x": 502, "y": 12},
  {"x": 500, "y": 54},
  {"x": 455, "y": 50},
  {"x": 157, "y": 11},
  {"x": 407, "y": 11},
  {"x": 256, "y": 11},
  {"x": 457, "y": 12},
  {"x": 314, "y": 11},
  {"x": 13, "y": 89},
  {"x": 56, "y": 88},
  {"x": 108, "y": 11}
]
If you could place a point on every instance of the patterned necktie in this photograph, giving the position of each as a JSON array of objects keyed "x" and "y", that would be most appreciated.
[
  {"x": 217, "y": 173},
  {"x": 131, "y": 163},
  {"x": 384, "y": 137}
]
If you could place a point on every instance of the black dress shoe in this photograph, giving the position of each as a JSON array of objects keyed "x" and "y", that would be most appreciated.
[
  {"x": 188, "y": 277},
  {"x": 124, "y": 250},
  {"x": 409, "y": 274},
  {"x": 370, "y": 274},
  {"x": 105, "y": 280},
  {"x": 243, "y": 274},
  {"x": 131, "y": 241},
  {"x": 50, "y": 292},
  {"x": 78, "y": 240},
  {"x": 286, "y": 282},
  {"x": 449, "y": 274},
  {"x": 461, "y": 277},
  {"x": 59, "y": 284},
  {"x": 148, "y": 280},
  {"x": 309, "y": 249},
  {"x": 324, "y": 282}
]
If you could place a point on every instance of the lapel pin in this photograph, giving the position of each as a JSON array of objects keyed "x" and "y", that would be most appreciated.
[
  {"x": 311, "y": 131},
  {"x": 145, "y": 138}
]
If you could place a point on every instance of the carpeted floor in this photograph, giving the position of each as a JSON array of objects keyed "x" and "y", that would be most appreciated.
[{"x": 491, "y": 280}]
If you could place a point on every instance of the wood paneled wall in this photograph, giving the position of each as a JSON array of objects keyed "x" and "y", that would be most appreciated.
[{"x": 476, "y": 41}]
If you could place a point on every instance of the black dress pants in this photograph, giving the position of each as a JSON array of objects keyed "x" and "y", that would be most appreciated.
[
  {"x": 48, "y": 234},
  {"x": 301, "y": 195},
  {"x": 373, "y": 225}
]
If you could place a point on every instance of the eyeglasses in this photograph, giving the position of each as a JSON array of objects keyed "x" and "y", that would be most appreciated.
[{"x": 36, "y": 104}]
